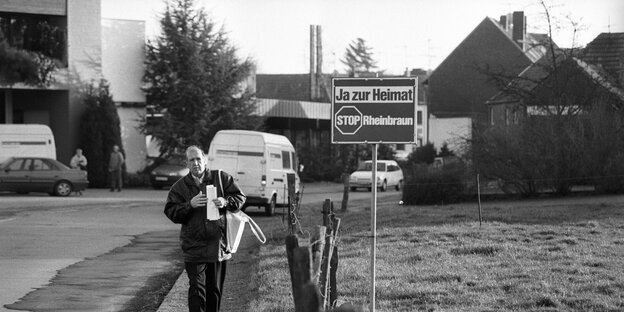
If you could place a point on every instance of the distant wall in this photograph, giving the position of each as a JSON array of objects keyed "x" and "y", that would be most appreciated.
[
  {"x": 451, "y": 131},
  {"x": 123, "y": 58},
  {"x": 133, "y": 141}
]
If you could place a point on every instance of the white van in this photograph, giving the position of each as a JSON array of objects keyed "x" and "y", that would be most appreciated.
[
  {"x": 26, "y": 140},
  {"x": 260, "y": 164}
]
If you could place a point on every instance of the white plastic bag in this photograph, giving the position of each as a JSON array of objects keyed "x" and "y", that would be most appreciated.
[{"x": 236, "y": 225}]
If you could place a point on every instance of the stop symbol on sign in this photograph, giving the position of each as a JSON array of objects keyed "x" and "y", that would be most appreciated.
[{"x": 348, "y": 120}]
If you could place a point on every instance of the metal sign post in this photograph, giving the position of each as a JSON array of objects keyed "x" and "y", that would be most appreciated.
[
  {"x": 373, "y": 227},
  {"x": 373, "y": 111}
]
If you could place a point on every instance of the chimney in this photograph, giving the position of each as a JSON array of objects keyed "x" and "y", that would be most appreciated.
[
  {"x": 319, "y": 62},
  {"x": 519, "y": 29},
  {"x": 313, "y": 87},
  {"x": 503, "y": 22}
]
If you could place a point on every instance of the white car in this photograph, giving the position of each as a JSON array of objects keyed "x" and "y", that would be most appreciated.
[{"x": 388, "y": 174}]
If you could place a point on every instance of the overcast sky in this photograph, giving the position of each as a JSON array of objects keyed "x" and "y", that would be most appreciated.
[{"x": 401, "y": 33}]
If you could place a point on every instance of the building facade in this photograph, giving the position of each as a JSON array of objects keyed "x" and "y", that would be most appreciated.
[
  {"x": 89, "y": 49},
  {"x": 55, "y": 105}
]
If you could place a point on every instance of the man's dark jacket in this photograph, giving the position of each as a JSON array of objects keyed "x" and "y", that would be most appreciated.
[{"x": 202, "y": 239}]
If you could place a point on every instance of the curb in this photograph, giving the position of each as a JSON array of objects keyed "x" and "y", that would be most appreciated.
[{"x": 176, "y": 298}]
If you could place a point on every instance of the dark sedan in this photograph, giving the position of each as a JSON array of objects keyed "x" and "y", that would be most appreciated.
[
  {"x": 36, "y": 174},
  {"x": 169, "y": 172}
]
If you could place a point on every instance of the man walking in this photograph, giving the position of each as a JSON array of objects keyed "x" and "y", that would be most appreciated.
[
  {"x": 202, "y": 239},
  {"x": 115, "y": 164}
]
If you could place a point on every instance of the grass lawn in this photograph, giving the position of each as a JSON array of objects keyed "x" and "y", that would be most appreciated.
[{"x": 529, "y": 255}]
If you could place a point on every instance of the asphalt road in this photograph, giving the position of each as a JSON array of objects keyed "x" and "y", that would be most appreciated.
[
  {"x": 40, "y": 234},
  {"x": 82, "y": 246}
]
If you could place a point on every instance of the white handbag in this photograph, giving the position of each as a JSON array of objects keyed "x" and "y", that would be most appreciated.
[{"x": 235, "y": 225}]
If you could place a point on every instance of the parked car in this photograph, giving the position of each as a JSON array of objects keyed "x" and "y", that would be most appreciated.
[
  {"x": 388, "y": 174},
  {"x": 166, "y": 174},
  {"x": 38, "y": 174}
]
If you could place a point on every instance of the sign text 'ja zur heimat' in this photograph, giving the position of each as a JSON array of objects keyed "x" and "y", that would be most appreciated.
[{"x": 375, "y": 95}]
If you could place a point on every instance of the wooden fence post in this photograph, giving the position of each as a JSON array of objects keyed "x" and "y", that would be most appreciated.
[
  {"x": 292, "y": 243},
  {"x": 292, "y": 203},
  {"x": 327, "y": 280},
  {"x": 327, "y": 205},
  {"x": 305, "y": 294},
  {"x": 318, "y": 247},
  {"x": 333, "y": 256},
  {"x": 345, "y": 193}
]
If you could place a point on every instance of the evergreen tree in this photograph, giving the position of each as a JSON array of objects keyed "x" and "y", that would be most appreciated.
[
  {"x": 423, "y": 154},
  {"x": 358, "y": 58},
  {"x": 99, "y": 131},
  {"x": 445, "y": 151},
  {"x": 194, "y": 78}
]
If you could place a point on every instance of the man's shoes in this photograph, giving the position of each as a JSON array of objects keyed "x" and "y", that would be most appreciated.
[
  {"x": 112, "y": 190},
  {"x": 118, "y": 190}
]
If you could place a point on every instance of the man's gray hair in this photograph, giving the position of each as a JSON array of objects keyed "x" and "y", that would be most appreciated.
[{"x": 194, "y": 147}]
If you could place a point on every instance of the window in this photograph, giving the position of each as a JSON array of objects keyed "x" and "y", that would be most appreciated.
[
  {"x": 368, "y": 166},
  {"x": 16, "y": 165},
  {"x": 28, "y": 164},
  {"x": 381, "y": 167},
  {"x": 507, "y": 115},
  {"x": 45, "y": 34},
  {"x": 39, "y": 164},
  {"x": 419, "y": 118},
  {"x": 295, "y": 161},
  {"x": 286, "y": 160},
  {"x": 516, "y": 117}
]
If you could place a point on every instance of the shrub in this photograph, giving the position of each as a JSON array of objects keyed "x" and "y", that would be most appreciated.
[
  {"x": 423, "y": 154},
  {"x": 435, "y": 186},
  {"x": 99, "y": 131}
]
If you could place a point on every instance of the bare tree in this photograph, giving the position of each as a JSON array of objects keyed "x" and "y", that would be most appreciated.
[{"x": 562, "y": 124}]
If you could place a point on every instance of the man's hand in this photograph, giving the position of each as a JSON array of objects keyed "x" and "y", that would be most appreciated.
[
  {"x": 199, "y": 200},
  {"x": 220, "y": 202}
]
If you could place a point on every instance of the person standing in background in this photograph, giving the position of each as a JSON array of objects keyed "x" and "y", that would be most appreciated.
[
  {"x": 115, "y": 164},
  {"x": 79, "y": 161}
]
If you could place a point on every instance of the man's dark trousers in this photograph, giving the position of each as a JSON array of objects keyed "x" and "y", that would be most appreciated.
[
  {"x": 115, "y": 180},
  {"x": 205, "y": 285}
]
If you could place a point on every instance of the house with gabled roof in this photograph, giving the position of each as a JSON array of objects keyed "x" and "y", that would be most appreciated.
[
  {"x": 540, "y": 90},
  {"x": 456, "y": 91},
  {"x": 607, "y": 51},
  {"x": 564, "y": 84}
]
